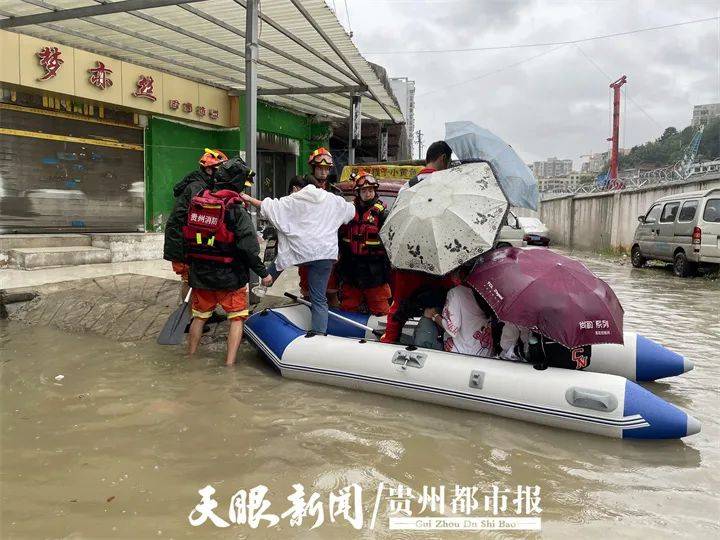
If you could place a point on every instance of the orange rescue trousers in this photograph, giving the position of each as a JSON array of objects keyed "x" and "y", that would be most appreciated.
[{"x": 377, "y": 299}]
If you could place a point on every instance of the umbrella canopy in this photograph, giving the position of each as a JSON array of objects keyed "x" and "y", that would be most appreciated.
[
  {"x": 549, "y": 293},
  {"x": 470, "y": 141},
  {"x": 445, "y": 220}
]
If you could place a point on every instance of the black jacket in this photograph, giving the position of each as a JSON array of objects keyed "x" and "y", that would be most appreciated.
[{"x": 206, "y": 274}]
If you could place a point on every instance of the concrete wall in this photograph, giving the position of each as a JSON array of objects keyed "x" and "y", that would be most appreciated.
[{"x": 605, "y": 221}]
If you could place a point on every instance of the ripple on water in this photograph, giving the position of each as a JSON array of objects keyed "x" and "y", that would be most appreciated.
[{"x": 174, "y": 425}]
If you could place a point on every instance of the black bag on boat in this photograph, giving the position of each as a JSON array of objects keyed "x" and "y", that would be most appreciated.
[{"x": 544, "y": 353}]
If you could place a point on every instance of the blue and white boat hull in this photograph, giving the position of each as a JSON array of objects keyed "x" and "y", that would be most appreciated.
[
  {"x": 596, "y": 403},
  {"x": 637, "y": 359}
]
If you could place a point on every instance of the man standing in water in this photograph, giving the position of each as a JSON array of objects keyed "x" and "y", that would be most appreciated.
[{"x": 211, "y": 232}]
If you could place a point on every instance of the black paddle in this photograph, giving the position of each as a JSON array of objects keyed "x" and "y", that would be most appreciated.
[
  {"x": 173, "y": 331},
  {"x": 337, "y": 316}
]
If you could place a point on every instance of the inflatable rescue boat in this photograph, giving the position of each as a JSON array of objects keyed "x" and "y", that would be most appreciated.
[{"x": 591, "y": 401}]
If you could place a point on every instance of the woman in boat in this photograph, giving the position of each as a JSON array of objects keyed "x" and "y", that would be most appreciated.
[{"x": 467, "y": 326}]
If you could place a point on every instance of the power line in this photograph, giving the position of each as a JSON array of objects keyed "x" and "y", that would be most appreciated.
[
  {"x": 609, "y": 78},
  {"x": 493, "y": 72},
  {"x": 548, "y": 43}
]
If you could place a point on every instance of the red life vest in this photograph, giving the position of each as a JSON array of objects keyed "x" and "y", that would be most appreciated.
[
  {"x": 362, "y": 234},
  {"x": 206, "y": 234}
]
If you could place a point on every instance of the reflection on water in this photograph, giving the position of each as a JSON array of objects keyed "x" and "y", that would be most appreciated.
[{"x": 121, "y": 444}]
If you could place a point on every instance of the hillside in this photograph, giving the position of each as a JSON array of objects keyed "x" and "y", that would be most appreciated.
[{"x": 670, "y": 146}]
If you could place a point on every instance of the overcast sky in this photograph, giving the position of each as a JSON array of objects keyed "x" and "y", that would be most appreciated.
[{"x": 558, "y": 103}]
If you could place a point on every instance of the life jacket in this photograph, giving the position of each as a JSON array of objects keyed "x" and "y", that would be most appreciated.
[
  {"x": 206, "y": 234},
  {"x": 362, "y": 234}
]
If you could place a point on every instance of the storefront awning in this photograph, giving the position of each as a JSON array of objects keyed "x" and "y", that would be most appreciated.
[{"x": 307, "y": 62}]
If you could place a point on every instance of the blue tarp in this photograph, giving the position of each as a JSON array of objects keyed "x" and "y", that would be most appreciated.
[{"x": 470, "y": 141}]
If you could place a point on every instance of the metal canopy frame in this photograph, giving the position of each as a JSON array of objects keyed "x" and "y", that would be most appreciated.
[
  {"x": 88, "y": 11},
  {"x": 294, "y": 74}
]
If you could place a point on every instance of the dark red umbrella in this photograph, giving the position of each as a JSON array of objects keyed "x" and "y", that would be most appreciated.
[{"x": 549, "y": 293}]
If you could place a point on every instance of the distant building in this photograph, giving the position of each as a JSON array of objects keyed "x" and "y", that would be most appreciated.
[
  {"x": 552, "y": 167},
  {"x": 564, "y": 184},
  {"x": 702, "y": 114},
  {"x": 404, "y": 90},
  {"x": 598, "y": 162},
  {"x": 595, "y": 162}
]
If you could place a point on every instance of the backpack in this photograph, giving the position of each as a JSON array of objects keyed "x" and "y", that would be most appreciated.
[{"x": 206, "y": 234}]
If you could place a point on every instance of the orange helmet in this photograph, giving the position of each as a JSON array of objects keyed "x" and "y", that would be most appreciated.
[
  {"x": 211, "y": 158},
  {"x": 321, "y": 156},
  {"x": 364, "y": 179}
]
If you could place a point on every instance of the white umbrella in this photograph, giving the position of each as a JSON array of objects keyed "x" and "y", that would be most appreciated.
[{"x": 445, "y": 220}]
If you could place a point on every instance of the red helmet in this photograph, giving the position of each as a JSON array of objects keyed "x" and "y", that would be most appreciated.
[
  {"x": 364, "y": 179},
  {"x": 321, "y": 156},
  {"x": 211, "y": 158}
]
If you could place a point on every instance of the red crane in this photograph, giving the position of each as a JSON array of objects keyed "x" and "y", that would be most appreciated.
[{"x": 612, "y": 177}]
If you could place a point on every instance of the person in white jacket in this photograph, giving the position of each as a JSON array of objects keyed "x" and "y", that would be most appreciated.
[{"x": 307, "y": 223}]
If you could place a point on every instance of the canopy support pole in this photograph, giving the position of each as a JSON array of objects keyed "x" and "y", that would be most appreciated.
[
  {"x": 251, "y": 57},
  {"x": 354, "y": 126}
]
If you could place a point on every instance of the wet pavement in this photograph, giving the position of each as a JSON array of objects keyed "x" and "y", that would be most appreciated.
[{"x": 108, "y": 439}]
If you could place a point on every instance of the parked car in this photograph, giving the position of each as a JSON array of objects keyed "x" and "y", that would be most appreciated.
[
  {"x": 511, "y": 234},
  {"x": 683, "y": 229},
  {"x": 536, "y": 232}
]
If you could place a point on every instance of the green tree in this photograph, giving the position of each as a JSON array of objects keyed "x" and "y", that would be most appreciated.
[
  {"x": 670, "y": 147},
  {"x": 710, "y": 143},
  {"x": 669, "y": 132}
]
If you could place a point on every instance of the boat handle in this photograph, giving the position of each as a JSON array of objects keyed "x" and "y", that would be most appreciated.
[
  {"x": 409, "y": 359},
  {"x": 597, "y": 400}
]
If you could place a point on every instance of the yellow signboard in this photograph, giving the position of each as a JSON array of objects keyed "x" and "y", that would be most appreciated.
[
  {"x": 382, "y": 172},
  {"x": 53, "y": 67}
]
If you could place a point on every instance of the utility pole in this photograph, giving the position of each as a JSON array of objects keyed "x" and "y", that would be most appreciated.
[
  {"x": 419, "y": 143},
  {"x": 616, "y": 128}
]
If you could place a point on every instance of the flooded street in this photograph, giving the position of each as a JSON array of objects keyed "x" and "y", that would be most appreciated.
[{"x": 120, "y": 444}]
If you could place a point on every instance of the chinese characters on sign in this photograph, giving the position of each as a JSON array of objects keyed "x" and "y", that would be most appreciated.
[
  {"x": 50, "y": 61},
  {"x": 403, "y": 507},
  {"x": 144, "y": 88},
  {"x": 100, "y": 76},
  {"x": 187, "y": 107}
]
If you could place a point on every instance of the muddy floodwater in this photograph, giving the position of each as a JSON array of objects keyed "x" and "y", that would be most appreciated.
[{"x": 110, "y": 440}]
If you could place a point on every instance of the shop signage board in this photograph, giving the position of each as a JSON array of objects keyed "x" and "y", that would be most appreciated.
[{"x": 54, "y": 67}]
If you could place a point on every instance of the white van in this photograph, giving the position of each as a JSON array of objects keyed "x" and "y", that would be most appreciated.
[{"x": 683, "y": 229}]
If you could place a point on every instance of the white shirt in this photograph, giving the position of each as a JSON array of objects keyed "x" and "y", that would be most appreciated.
[
  {"x": 307, "y": 222},
  {"x": 467, "y": 325}
]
